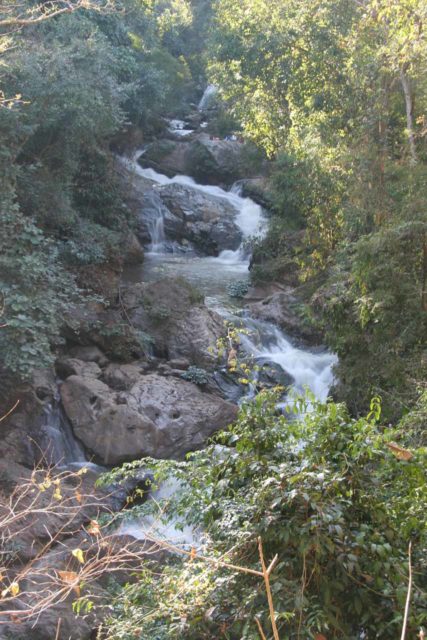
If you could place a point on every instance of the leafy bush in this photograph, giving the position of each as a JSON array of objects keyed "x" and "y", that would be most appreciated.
[
  {"x": 329, "y": 494},
  {"x": 36, "y": 293},
  {"x": 238, "y": 289},
  {"x": 196, "y": 374}
]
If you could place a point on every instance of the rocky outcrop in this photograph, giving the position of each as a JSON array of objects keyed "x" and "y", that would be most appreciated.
[
  {"x": 189, "y": 215},
  {"x": 133, "y": 251},
  {"x": 20, "y": 434},
  {"x": 206, "y": 158},
  {"x": 158, "y": 416},
  {"x": 258, "y": 190},
  {"x": 284, "y": 310},
  {"x": 172, "y": 313}
]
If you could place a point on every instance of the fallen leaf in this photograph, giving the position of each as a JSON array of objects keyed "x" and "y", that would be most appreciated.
[
  {"x": 399, "y": 452},
  {"x": 78, "y": 553},
  {"x": 71, "y": 578},
  {"x": 94, "y": 528}
]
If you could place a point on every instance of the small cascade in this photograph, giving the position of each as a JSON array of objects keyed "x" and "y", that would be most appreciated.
[
  {"x": 264, "y": 342},
  {"x": 309, "y": 370},
  {"x": 154, "y": 214},
  {"x": 250, "y": 216},
  {"x": 179, "y": 128},
  {"x": 209, "y": 93},
  {"x": 152, "y": 526},
  {"x": 157, "y": 234},
  {"x": 57, "y": 443}
]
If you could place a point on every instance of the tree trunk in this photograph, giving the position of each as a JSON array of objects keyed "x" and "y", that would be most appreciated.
[{"x": 409, "y": 104}]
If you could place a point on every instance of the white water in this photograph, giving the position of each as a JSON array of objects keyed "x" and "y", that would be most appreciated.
[
  {"x": 311, "y": 370},
  {"x": 249, "y": 218},
  {"x": 153, "y": 526},
  {"x": 210, "y": 91},
  {"x": 58, "y": 444},
  {"x": 178, "y": 128}
]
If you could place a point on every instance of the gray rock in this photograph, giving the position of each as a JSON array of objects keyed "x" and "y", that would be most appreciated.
[
  {"x": 122, "y": 376},
  {"x": 189, "y": 214},
  {"x": 162, "y": 417},
  {"x": 89, "y": 354},
  {"x": 281, "y": 308},
  {"x": 134, "y": 253},
  {"x": 66, "y": 367},
  {"x": 171, "y": 311}
]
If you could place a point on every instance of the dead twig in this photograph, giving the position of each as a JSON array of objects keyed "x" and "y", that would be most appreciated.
[{"x": 408, "y": 595}]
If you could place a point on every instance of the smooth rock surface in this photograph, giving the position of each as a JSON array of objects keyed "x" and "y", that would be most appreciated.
[{"x": 159, "y": 417}]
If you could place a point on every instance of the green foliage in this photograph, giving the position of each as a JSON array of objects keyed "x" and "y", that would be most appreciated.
[
  {"x": 327, "y": 495},
  {"x": 197, "y": 375},
  {"x": 335, "y": 93},
  {"x": 238, "y": 289},
  {"x": 36, "y": 293},
  {"x": 79, "y": 80}
]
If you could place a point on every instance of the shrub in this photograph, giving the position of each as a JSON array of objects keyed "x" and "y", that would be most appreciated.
[
  {"x": 331, "y": 495},
  {"x": 238, "y": 289},
  {"x": 196, "y": 374}
]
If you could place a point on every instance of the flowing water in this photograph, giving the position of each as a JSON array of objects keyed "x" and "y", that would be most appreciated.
[
  {"x": 309, "y": 369},
  {"x": 57, "y": 442},
  {"x": 209, "y": 93},
  {"x": 179, "y": 128}
]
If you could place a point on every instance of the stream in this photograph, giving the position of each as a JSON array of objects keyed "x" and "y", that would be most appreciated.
[
  {"x": 263, "y": 342},
  {"x": 309, "y": 368}
]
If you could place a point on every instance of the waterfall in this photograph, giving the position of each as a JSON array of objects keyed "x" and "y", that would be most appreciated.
[
  {"x": 57, "y": 441},
  {"x": 309, "y": 370},
  {"x": 154, "y": 213},
  {"x": 250, "y": 218},
  {"x": 179, "y": 128},
  {"x": 153, "y": 526},
  {"x": 210, "y": 91}
]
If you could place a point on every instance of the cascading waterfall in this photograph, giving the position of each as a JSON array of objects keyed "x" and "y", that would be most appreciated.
[
  {"x": 249, "y": 219},
  {"x": 309, "y": 370},
  {"x": 210, "y": 91},
  {"x": 57, "y": 443},
  {"x": 264, "y": 342}
]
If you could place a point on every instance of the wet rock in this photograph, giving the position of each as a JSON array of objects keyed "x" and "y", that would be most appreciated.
[
  {"x": 134, "y": 253},
  {"x": 167, "y": 157},
  {"x": 256, "y": 189},
  {"x": 205, "y": 220},
  {"x": 271, "y": 374},
  {"x": 163, "y": 417},
  {"x": 20, "y": 431}
]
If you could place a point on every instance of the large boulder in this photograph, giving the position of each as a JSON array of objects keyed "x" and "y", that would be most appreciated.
[
  {"x": 204, "y": 219},
  {"x": 159, "y": 417},
  {"x": 172, "y": 313},
  {"x": 21, "y": 434}
]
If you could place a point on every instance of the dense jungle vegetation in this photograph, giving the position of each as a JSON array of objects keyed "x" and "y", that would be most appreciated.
[{"x": 332, "y": 94}]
